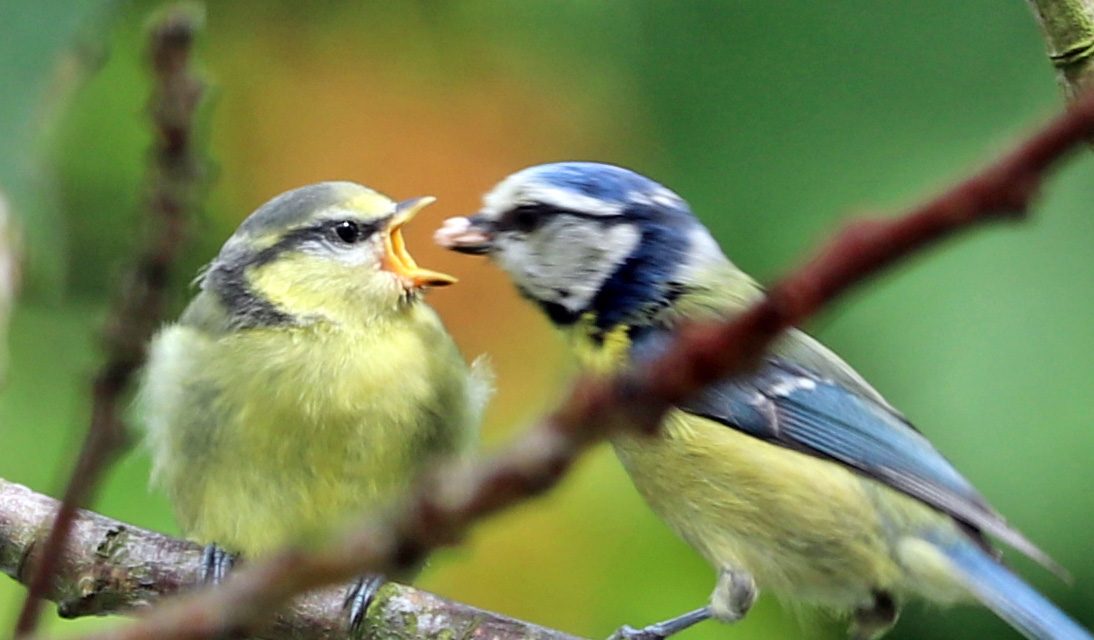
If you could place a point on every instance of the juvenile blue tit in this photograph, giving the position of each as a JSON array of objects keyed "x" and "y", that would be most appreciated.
[
  {"x": 307, "y": 382},
  {"x": 799, "y": 478}
]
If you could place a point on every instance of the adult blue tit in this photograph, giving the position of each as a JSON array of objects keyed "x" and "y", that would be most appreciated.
[
  {"x": 307, "y": 382},
  {"x": 799, "y": 478}
]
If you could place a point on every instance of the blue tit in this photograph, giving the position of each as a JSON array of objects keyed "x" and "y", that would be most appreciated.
[
  {"x": 799, "y": 478},
  {"x": 308, "y": 382}
]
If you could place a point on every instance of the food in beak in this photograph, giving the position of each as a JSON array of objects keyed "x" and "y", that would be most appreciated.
[
  {"x": 461, "y": 234},
  {"x": 396, "y": 257}
]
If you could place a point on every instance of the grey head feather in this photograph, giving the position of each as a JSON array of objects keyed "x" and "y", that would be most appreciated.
[
  {"x": 296, "y": 207},
  {"x": 256, "y": 241}
]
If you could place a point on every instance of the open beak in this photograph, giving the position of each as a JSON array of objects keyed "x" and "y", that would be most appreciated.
[
  {"x": 466, "y": 234},
  {"x": 397, "y": 259}
]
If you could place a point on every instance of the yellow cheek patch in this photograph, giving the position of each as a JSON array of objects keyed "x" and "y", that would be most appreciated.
[{"x": 300, "y": 284}]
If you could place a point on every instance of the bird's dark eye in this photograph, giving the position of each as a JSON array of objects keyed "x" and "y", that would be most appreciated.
[
  {"x": 348, "y": 231},
  {"x": 524, "y": 219}
]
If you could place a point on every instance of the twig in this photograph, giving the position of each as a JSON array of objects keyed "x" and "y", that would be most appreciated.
[
  {"x": 9, "y": 277},
  {"x": 113, "y": 567},
  {"x": 171, "y": 183},
  {"x": 1068, "y": 28},
  {"x": 443, "y": 507}
]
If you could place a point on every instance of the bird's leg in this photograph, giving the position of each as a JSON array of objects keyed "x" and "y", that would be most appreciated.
[
  {"x": 872, "y": 621},
  {"x": 216, "y": 562},
  {"x": 732, "y": 598},
  {"x": 358, "y": 598},
  {"x": 664, "y": 629}
]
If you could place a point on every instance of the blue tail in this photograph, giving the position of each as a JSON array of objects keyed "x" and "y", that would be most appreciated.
[{"x": 1010, "y": 598}]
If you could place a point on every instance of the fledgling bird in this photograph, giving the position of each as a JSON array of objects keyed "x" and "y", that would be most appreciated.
[
  {"x": 799, "y": 478},
  {"x": 307, "y": 382}
]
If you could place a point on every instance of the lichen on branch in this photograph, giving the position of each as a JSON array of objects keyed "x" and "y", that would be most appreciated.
[
  {"x": 1068, "y": 29},
  {"x": 113, "y": 567}
]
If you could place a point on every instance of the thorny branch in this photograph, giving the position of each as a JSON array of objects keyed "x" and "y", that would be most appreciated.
[
  {"x": 443, "y": 507},
  {"x": 139, "y": 308},
  {"x": 112, "y": 567}
]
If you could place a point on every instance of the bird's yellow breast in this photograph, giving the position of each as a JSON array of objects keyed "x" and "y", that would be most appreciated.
[
  {"x": 276, "y": 434},
  {"x": 802, "y": 526}
]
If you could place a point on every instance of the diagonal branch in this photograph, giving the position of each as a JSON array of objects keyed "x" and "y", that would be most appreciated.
[
  {"x": 113, "y": 567},
  {"x": 442, "y": 508},
  {"x": 9, "y": 277},
  {"x": 1068, "y": 28},
  {"x": 139, "y": 309}
]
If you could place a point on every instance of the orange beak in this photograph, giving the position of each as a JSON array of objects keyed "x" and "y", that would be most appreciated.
[{"x": 397, "y": 259}]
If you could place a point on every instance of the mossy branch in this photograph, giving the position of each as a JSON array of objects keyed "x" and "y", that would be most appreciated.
[
  {"x": 1068, "y": 28},
  {"x": 113, "y": 567}
]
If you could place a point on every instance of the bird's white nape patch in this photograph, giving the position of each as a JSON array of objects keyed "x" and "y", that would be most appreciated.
[
  {"x": 703, "y": 253},
  {"x": 567, "y": 261}
]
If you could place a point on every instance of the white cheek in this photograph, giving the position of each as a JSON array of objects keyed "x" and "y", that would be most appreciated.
[
  {"x": 567, "y": 265},
  {"x": 513, "y": 256},
  {"x": 360, "y": 255}
]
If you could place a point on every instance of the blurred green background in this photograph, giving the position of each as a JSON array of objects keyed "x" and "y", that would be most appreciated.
[{"x": 774, "y": 119}]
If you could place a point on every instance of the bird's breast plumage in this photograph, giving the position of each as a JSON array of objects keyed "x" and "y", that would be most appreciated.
[
  {"x": 804, "y": 527},
  {"x": 272, "y": 435}
]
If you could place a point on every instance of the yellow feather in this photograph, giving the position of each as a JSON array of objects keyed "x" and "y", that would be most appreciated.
[
  {"x": 282, "y": 434},
  {"x": 803, "y": 527},
  {"x": 283, "y": 430}
]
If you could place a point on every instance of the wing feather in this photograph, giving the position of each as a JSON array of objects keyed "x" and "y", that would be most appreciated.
[{"x": 794, "y": 407}]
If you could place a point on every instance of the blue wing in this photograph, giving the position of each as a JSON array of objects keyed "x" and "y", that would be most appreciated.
[{"x": 789, "y": 405}]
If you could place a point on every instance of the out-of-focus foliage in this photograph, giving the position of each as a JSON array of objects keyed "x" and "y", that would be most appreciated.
[
  {"x": 46, "y": 50},
  {"x": 775, "y": 120}
]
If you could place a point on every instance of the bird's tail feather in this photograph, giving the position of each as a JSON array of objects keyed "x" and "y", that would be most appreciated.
[{"x": 1009, "y": 597}]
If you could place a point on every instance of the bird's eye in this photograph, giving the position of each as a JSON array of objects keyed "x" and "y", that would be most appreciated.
[
  {"x": 348, "y": 231},
  {"x": 525, "y": 219}
]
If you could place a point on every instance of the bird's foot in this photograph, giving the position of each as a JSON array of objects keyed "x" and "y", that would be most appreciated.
[
  {"x": 358, "y": 598},
  {"x": 733, "y": 596},
  {"x": 662, "y": 630},
  {"x": 216, "y": 563},
  {"x": 873, "y": 620}
]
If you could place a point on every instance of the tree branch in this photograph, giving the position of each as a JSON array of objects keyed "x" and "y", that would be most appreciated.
[
  {"x": 139, "y": 309},
  {"x": 1068, "y": 28},
  {"x": 9, "y": 277},
  {"x": 445, "y": 505},
  {"x": 113, "y": 567}
]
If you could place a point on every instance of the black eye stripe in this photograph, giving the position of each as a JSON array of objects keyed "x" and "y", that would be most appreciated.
[
  {"x": 524, "y": 218},
  {"x": 346, "y": 231},
  {"x": 528, "y": 217},
  {"x": 321, "y": 232}
]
